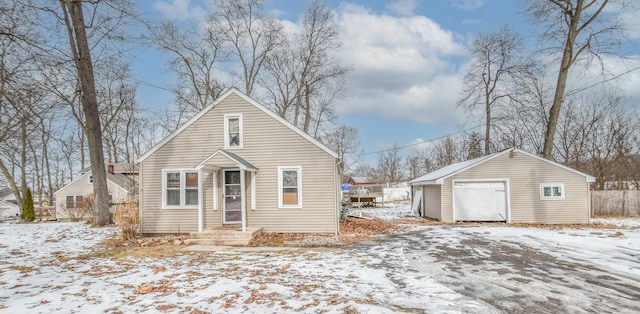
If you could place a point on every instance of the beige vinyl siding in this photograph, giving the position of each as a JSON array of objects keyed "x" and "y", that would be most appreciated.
[
  {"x": 525, "y": 175},
  {"x": 432, "y": 201},
  {"x": 267, "y": 145}
]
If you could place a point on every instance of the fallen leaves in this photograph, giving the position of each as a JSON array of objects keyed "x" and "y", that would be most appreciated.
[
  {"x": 23, "y": 269},
  {"x": 163, "y": 286},
  {"x": 352, "y": 230},
  {"x": 157, "y": 269}
]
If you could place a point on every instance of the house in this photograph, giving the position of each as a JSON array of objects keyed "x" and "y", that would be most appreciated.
[
  {"x": 236, "y": 163},
  {"x": 120, "y": 183},
  {"x": 8, "y": 205},
  {"x": 512, "y": 186}
]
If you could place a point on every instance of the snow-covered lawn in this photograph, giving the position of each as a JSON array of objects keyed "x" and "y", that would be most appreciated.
[{"x": 50, "y": 267}]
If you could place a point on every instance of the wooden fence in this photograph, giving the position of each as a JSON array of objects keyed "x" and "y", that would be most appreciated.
[{"x": 615, "y": 203}]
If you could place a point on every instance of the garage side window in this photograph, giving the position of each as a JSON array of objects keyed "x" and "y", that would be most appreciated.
[{"x": 551, "y": 191}]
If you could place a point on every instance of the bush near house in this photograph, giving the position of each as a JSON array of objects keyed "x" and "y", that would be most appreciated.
[{"x": 127, "y": 218}]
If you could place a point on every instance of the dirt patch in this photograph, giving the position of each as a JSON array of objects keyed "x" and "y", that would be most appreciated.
[
  {"x": 153, "y": 247},
  {"x": 352, "y": 230}
]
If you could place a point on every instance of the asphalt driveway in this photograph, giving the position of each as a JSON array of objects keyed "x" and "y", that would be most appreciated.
[{"x": 523, "y": 270}]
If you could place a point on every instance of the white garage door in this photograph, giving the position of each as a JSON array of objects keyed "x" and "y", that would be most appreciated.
[{"x": 480, "y": 201}]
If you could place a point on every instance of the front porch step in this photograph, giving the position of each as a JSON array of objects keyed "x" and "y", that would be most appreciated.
[{"x": 223, "y": 236}]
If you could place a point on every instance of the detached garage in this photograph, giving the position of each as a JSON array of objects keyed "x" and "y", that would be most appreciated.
[{"x": 510, "y": 186}]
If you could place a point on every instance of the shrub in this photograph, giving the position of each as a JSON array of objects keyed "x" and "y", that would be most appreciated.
[
  {"x": 82, "y": 213},
  {"x": 28, "y": 211},
  {"x": 127, "y": 218}
]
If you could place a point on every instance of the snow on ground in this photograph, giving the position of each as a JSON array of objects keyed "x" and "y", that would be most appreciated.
[
  {"x": 45, "y": 268},
  {"x": 49, "y": 267},
  {"x": 620, "y": 222},
  {"x": 389, "y": 212}
]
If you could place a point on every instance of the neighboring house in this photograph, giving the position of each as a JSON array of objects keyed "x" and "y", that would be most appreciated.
[
  {"x": 238, "y": 163},
  {"x": 8, "y": 205},
  {"x": 71, "y": 197},
  {"x": 511, "y": 185},
  {"x": 125, "y": 168},
  {"x": 359, "y": 181}
]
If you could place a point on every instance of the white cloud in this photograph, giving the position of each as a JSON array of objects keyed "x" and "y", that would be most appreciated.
[
  {"x": 402, "y": 66},
  {"x": 467, "y": 5},
  {"x": 403, "y": 7},
  {"x": 179, "y": 9}
]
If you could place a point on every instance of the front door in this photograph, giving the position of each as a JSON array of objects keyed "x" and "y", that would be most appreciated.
[{"x": 232, "y": 207}]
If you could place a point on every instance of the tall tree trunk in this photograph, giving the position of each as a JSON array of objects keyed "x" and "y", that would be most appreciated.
[
  {"x": 568, "y": 57},
  {"x": 487, "y": 130},
  {"x": 74, "y": 19},
  {"x": 23, "y": 157}
]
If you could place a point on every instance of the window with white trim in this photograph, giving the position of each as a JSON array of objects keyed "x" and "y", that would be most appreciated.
[
  {"x": 180, "y": 189},
  {"x": 290, "y": 187},
  {"x": 551, "y": 191},
  {"x": 233, "y": 131}
]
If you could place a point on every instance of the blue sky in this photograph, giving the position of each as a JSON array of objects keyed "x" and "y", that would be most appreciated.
[{"x": 408, "y": 58}]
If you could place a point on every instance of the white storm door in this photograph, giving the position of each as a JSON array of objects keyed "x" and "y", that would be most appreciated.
[{"x": 232, "y": 194}]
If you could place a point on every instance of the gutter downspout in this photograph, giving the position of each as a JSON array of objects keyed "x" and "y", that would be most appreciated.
[{"x": 200, "y": 202}]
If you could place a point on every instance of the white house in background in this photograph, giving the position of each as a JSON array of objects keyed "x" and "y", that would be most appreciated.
[
  {"x": 121, "y": 183},
  {"x": 511, "y": 186},
  {"x": 8, "y": 205}
]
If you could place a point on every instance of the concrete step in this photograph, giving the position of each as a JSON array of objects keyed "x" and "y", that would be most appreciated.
[
  {"x": 217, "y": 242},
  {"x": 224, "y": 236}
]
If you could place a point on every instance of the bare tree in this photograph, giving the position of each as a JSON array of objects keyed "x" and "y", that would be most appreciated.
[
  {"x": 195, "y": 57},
  {"x": 79, "y": 44},
  {"x": 248, "y": 34},
  {"x": 303, "y": 78},
  {"x": 497, "y": 59},
  {"x": 390, "y": 165},
  {"x": 583, "y": 29},
  {"x": 345, "y": 142}
]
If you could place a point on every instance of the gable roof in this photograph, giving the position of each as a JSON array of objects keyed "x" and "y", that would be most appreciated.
[
  {"x": 118, "y": 167},
  {"x": 240, "y": 162},
  {"x": 120, "y": 180},
  {"x": 438, "y": 176},
  {"x": 238, "y": 93}
]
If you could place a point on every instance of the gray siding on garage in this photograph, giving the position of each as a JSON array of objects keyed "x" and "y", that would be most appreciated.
[
  {"x": 525, "y": 174},
  {"x": 432, "y": 201},
  {"x": 267, "y": 144}
]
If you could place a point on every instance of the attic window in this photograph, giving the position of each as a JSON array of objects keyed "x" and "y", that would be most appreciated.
[
  {"x": 233, "y": 131},
  {"x": 551, "y": 191}
]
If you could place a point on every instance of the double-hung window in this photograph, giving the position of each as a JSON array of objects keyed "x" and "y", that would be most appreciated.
[
  {"x": 180, "y": 189},
  {"x": 233, "y": 131},
  {"x": 551, "y": 191},
  {"x": 74, "y": 201},
  {"x": 290, "y": 187}
]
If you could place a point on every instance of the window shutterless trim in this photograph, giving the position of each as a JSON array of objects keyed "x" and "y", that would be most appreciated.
[
  {"x": 227, "y": 117},
  {"x": 281, "y": 169},
  {"x": 551, "y": 186},
  {"x": 182, "y": 189}
]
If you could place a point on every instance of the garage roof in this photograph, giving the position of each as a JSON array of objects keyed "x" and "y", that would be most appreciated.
[{"x": 438, "y": 176}]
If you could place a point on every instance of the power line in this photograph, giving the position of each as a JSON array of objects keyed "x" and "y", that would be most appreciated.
[
  {"x": 426, "y": 141},
  {"x": 139, "y": 81}
]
